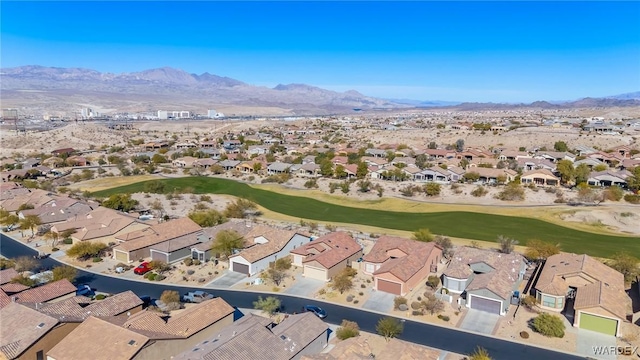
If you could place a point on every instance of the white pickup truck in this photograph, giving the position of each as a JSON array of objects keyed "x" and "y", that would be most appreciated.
[{"x": 197, "y": 297}]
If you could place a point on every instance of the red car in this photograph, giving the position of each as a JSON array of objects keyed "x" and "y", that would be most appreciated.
[{"x": 142, "y": 268}]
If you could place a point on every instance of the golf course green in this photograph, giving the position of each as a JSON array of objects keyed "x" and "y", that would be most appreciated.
[{"x": 460, "y": 224}]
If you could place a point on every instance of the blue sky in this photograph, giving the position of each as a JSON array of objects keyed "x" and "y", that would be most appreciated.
[{"x": 463, "y": 51}]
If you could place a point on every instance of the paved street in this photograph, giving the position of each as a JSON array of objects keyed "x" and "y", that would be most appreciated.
[
  {"x": 379, "y": 301},
  {"x": 480, "y": 321},
  {"x": 587, "y": 340},
  {"x": 305, "y": 287},
  {"x": 439, "y": 337}
]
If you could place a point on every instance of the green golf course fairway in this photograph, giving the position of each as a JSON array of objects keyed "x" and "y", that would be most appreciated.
[{"x": 460, "y": 224}]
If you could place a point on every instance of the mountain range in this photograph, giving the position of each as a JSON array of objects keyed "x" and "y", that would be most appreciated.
[{"x": 52, "y": 89}]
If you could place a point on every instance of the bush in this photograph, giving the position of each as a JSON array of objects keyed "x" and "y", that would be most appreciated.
[
  {"x": 188, "y": 261},
  {"x": 347, "y": 329},
  {"x": 160, "y": 277},
  {"x": 445, "y": 291},
  {"x": 101, "y": 297},
  {"x": 511, "y": 192},
  {"x": 416, "y": 313},
  {"x": 97, "y": 259},
  {"x": 55, "y": 249},
  {"x": 399, "y": 300},
  {"x": 360, "y": 293},
  {"x": 67, "y": 241},
  {"x": 613, "y": 193},
  {"x": 524, "y": 334},
  {"x": 443, "y": 317},
  {"x": 356, "y": 301},
  {"x": 152, "y": 276},
  {"x": 479, "y": 191},
  {"x": 549, "y": 325},
  {"x": 363, "y": 286},
  {"x": 196, "y": 262},
  {"x": 433, "y": 281},
  {"x": 416, "y": 305},
  {"x": 528, "y": 301},
  {"x": 634, "y": 199}
]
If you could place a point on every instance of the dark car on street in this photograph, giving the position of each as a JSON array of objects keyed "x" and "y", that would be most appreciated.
[{"x": 318, "y": 311}]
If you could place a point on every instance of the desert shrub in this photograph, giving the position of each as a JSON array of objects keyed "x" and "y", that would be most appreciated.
[
  {"x": 399, "y": 300},
  {"x": 443, "y": 317},
  {"x": 549, "y": 325},
  {"x": 368, "y": 281},
  {"x": 97, "y": 259},
  {"x": 67, "y": 241},
  {"x": 479, "y": 191},
  {"x": 528, "y": 301},
  {"x": 347, "y": 329},
  {"x": 433, "y": 281},
  {"x": 634, "y": 199},
  {"x": 322, "y": 291},
  {"x": 416, "y": 313},
  {"x": 445, "y": 291},
  {"x": 152, "y": 276},
  {"x": 196, "y": 262},
  {"x": 524, "y": 334},
  {"x": 188, "y": 261},
  {"x": 361, "y": 293},
  {"x": 55, "y": 249},
  {"x": 363, "y": 286},
  {"x": 160, "y": 277},
  {"x": 356, "y": 301},
  {"x": 415, "y": 305},
  {"x": 313, "y": 183},
  {"x": 432, "y": 189},
  {"x": 512, "y": 192},
  {"x": 101, "y": 297}
]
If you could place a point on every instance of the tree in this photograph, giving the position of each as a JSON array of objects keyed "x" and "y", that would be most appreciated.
[
  {"x": 8, "y": 219},
  {"x": 432, "y": 189},
  {"x": 30, "y": 222},
  {"x": 86, "y": 250},
  {"x": 421, "y": 161},
  {"x": 423, "y": 235},
  {"x": 53, "y": 236},
  {"x": 460, "y": 145},
  {"x": 432, "y": 304},
  {"x": 566, "y": 171},
  {"x": 433, "y": 281},
  {"x": 122, "y": 202},
  {"x": 538, "y": 250},
  {"x": 270, "y": 304},
  {"x": 207, "y": 218},
  {"x": 23, "y": 280},
  {"x": 364, "y": 185},
  {"x": 389, "y": 327},
  {"x": 154, "y": 187},
  {"x": 581, "y": 173},
  {"x": 343, "y": 281},
  {"x": 561, "y": 146},
  {"x": 240, "y": 208},
  {"x": 340, "y": 172},
  {"x": 226, "y": 242},
  {"x": 64, "y": 272},
  {"x": 25, "y": 263},
  {"x": 347, "y": 329},
  {"x": 627, "y": 265},
  {"x": 283, "y": 263},
  {"x": 507, "y": 244},
  {"x": 276, "y": 275},
  {"x": 471, "y": 176},
  {"x": 171, "y": 298},
  {"x": 633, "y": 181},
  {"x": 326, "y": 167},
  {"x": 362, "y": 170},
  {"x": 446, "y": 245},
  {"x": 548, "y": 325},
  {"x": 479, "y": 354}
]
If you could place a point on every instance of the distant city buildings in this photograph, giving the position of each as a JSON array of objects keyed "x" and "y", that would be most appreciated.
[
  {"x": 212, "y": 114},
  {"x": 164, "y": 115}
]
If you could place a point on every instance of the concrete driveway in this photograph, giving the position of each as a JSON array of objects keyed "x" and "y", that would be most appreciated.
[
  {"x": 227, "y": 280},
  {"x": 379, "y": 301},
  {"x": 479, "y": 321},
  {"x": 305, "y": 286},
  {"x": 589, "y": 342}
]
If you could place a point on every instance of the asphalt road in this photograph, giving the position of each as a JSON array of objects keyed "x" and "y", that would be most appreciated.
[{"x": 447, "y": 339}]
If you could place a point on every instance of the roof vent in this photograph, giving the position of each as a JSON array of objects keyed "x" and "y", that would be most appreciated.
[
  {"x": 283, "y": 337},
  {"x": 132, "y": 342},
  {"x": 40, "y": 326}
]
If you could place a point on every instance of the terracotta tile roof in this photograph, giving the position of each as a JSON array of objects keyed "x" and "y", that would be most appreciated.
[
  {"x": 160, "y": 233},
  {"x": 277, "y": 240},
  {"x": 60, "y": 209},
  {"x": 606, "y": 291},
  {"x": 182, "y": 242},
  {"x": 330, "y": 249},
  {"x": 97, "y": 223},
  {"x": 47, "y": 292},
  {"x": 12, "y": 288},
  {"x": 35, "y": 197},
  {"x": 239, "y": 226},
  {"x": 501, "y": 282},
  {"x": 4, "y": 299},
  {"x": 71, "y": 310},
  {"x": 101, "y": 339},
  {"x": 459, "y": 268},
  {"x": 403, "y": 267},
  {"x": 7, "y": 275},
  {"x": 22, "y": 327},
  {"x": 251, "y": 338},
  {"x": 181, "y": 325}
]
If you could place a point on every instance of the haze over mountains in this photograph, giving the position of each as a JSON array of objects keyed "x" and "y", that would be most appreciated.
[{"x": 57, "y": 89}]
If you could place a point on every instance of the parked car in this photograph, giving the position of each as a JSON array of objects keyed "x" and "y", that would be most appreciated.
[
  {"x": 142, "y": 268},
  {"x": 85, "y": 290},
  {"x": 197, "y": 297},
  {"x": 318, "y": 311}
]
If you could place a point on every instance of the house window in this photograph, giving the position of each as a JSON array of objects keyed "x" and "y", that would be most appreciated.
[
  {"x": 40, "y": 355},
  {"x": 548, "y": 301}
]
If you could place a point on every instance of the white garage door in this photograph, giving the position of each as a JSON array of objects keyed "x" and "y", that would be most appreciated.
[
  {"x": 315, "y": 273},
  {"x": 487, "y": 305}
]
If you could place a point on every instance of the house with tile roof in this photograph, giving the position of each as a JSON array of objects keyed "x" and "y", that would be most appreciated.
[
  {"x": 48, "y": 293},
  {"x": 539, "y": 177},
  {"x": 138, "y": 244},
  {"x": 99, "y": 225},
  {"x": 398, "y": 265},
  {"x": 267, "y": 245},
  {"x": 252, "y": 337},
  {"x": 59, "y": 209},
  {"x": 326, "y": 256},
  {"x": 486, "y": 278},
  {"x": 32, "y": 335},
  {"x": 587, "y": 287},
  {"x": 6, "y": 275},
  {"x": 202, "y": 251},
  {"x": 609, "y": 178}
]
